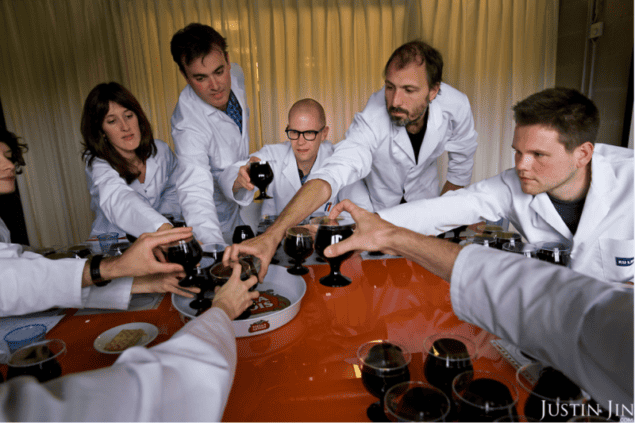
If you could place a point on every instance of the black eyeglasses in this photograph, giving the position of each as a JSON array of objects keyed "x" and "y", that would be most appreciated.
[{"x": 308, "y": 135}]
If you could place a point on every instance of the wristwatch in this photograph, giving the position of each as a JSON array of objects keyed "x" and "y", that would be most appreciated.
[{"x": 95, "y": 274}]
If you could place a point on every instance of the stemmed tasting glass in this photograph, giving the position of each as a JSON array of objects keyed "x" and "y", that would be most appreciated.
[
  {"x": 383, "y": 365},
  {"x": 178, "y": 221},
  {"x": 329, "y": 232},
  {"x": 212, "y": 253},
  {"x": 446, "y": 355},
  {"x": 187, "y": 253},
  {"x": 241, "y": 233},
  {"x": 482, "y": 396},
  {"x": 250, "y": 266},
  {"x": 298, "y": 244},
  {"x": 503, "y": 237},
  {"x": 261, "y": 176},
  {"x": 416, "y": 402},
  {"x": 549, "y": 390},
  {"x": 555, "y": 252},
  {"x": 527, "y": 250},
  {"x": 38, "y": 359}
]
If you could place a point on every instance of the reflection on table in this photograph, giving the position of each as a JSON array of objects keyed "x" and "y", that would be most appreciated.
[{"x": 307, "y": 369}]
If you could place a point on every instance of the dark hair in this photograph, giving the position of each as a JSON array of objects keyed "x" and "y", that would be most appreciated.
[
  {"x": 419, "y": 52},
  {"x": 194, "y": 41},
  {"x": 569, "y": 112},
  {"x": 95, "y": 142},
  {"x": 17, "y": 148}
]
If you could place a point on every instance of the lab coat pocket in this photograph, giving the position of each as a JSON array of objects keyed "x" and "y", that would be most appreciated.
[{"x": 617, "y": 259}]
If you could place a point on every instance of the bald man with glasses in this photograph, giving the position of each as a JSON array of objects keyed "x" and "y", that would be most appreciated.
[{"x": 292, "y": 163}]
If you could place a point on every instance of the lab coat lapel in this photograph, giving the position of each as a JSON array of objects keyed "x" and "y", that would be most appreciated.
[
  {"x": 401, "y": 141},
  {"x": 151, "y": 169},
  {"x": 433, "y": 133},
  {"x": 542, "y": 205},
  {"x": 290, "y": 170},
  {"x": 603, "y": 180}
]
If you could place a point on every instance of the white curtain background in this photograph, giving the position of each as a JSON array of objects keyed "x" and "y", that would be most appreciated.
[{"x": 54, "y": 52}]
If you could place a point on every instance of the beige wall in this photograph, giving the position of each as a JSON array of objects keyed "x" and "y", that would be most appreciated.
[{"x": 614, "y": 50}]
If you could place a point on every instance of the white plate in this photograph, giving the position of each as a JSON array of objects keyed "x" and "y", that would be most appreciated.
[
  {"x": 282, "y": 283},
  {"x": 150, "y": 330}
]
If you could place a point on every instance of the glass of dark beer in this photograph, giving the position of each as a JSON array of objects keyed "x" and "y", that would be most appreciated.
[
  {"x": 555, "y": 252},
  {"x": 482, "y": 396},
  {"x": 261, "y": 176},
  {"x": 39, "y": 359},
  {"x": 446, "y": 355},
  {"x": 329, "y": 232},
  {"x": 298, "y": 244},
  {"x": 250, "y": 266},
  {"x": 187, "y": 253},
  {"x": 550, "y": 392},
  {"x": 416, "y": 401},
  {"x": 383, "y": 365}
]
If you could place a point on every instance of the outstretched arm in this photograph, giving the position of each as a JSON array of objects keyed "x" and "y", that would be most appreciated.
[
  {"x": 375, "y": 234},
  {"x": 311, "y": 196}
]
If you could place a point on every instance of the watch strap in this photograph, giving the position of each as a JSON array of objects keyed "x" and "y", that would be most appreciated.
[{"x": 95, "y": 274}]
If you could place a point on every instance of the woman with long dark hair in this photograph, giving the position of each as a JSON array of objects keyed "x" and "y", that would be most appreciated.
[{"x": 130, "y": 175}]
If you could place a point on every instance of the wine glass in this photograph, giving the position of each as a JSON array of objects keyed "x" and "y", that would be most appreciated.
[
  {"x": 298, "y": 244},
  {"x": 503, "y": 237},
  {"x": 555, "y": 252},
  {"x": 261, "y": 176},
  {"x": 527, "y": 250},
  {"x": 549, "y": 390},
  {"x": 187, "y": 253},
  {"x": 416, "y": 402},
  {"x": 329, "y": 232},
  {"x": 241, "y": 233},
  {"x": 212, "y": 253},
  {"x": 178, "y": 222},
  {"x": 39, "y": 359},
  {"x": 383, "y": 365},
  {"x": 250, "y": 266},
  {"x": 447, "y": 355},
  {"x": 482, "y": 396}
]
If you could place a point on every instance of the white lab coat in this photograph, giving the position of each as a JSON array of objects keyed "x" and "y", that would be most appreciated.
[
  {"x": 286, "y": 180},
  {"x": 30, "y": 282},
  {"x": 565, "y": 319},
  {"x": 206, "y": 141},
  {"x": 5, "y": 235},
  {"x": 136, "y": 208},
  {"x": 381, "y": 153},
  {"x": 603, "y": 243},
  {"x": 187, "y": 378}
]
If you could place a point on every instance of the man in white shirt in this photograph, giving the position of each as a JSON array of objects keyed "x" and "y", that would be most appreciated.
[
  {"x": 210, "y": 128},
  {"x": 577, "y": 324},
  {"x": 393, "y": 145},
  {"x": 292, "y": 162},
  {"x": 564, "y": 188}
]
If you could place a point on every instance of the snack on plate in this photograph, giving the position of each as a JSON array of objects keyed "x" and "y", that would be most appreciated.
[{"x": 125, "y": 339}]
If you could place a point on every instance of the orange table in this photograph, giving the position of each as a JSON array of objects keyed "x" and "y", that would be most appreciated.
[{"x": 306, "y": 370}]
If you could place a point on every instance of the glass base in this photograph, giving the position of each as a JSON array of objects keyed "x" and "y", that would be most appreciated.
[
  {"x": 263, "y": 196},
  {"x": 335, "y": 281},
  {"x": 298, "y": 270},
  {"x": 375, "y": 412}
]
